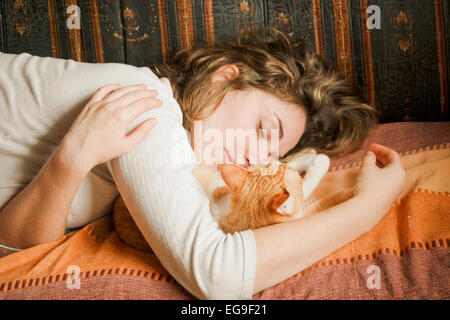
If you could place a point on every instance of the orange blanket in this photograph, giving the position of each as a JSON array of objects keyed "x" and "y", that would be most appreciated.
[
  {"x": 410, "y": 246},
  {"x": 420, "y": 216}
]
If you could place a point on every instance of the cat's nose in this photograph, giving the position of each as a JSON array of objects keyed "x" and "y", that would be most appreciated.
[{"x": 246, "y": 163}]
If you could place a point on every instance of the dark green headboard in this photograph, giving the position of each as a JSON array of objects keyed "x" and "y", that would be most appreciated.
[{"x": 401, "y": 68}]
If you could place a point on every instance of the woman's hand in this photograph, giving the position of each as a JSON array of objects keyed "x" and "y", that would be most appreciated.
[
  {"x": 381, "y": 176},
  {"x": 98, "y": 133},
  {"x": 316, "y": 236},
  {"x": 39, "y": 212}
]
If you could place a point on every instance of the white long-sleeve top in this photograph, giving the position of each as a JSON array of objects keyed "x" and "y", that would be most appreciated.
[{"x": 39, "y": 100}]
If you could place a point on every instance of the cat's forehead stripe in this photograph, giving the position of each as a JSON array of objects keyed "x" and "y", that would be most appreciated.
[{"x": 273, "y": 168}]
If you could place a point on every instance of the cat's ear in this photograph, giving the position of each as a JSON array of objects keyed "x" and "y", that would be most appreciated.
[
  {"x": 233, "y": 175},
  {"x": 281, "y": 204},
  {"x": 315, "y": 167},
  {"x": 303, "y": 161}
]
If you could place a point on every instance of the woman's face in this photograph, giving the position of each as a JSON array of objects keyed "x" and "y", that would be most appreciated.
[{"x": 248, "y": 127}]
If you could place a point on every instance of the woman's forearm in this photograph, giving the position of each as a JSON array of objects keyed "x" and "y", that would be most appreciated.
[
  {"x": 39, "y": 212},
  {"x": 287, "y": 248}
]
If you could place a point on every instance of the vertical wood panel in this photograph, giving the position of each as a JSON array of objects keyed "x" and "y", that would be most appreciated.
[
  {"x": 185, "y": 23},
  {"x": 198, "y": 19},
  {"x": 443, "y": 80},
  {"x": 329, "y": 35},
  {"x": 343, "y": 43},
  {"x": 163, "y": 30},
  {"x": 368, "y": 59},
  {"x": 75, "y": 37},
  {"x": 173, "y": 30},
  {"x": 359, "y": 77},
  {"x": 53, "y": 32},
  {"x": 99, "y": 54},
  {"x": 318, "y": 27},
  {"x": 446, "y": 17},
  {"x": 209, "y": 22},
  {"x": 2, "y": 29}
]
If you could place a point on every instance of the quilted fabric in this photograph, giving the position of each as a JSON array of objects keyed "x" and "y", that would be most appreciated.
[{"x": 405, "y": 256}]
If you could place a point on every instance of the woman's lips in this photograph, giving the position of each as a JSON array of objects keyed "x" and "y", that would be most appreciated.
[{"x": 229, "y": 158}]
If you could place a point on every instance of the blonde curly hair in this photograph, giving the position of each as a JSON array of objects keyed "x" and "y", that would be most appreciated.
[{"x": 337, "y": 119}]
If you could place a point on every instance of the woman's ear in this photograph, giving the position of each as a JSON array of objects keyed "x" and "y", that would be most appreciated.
[
  {"x": 233, "y": 175},
  {"x": 225, "y": 72}
]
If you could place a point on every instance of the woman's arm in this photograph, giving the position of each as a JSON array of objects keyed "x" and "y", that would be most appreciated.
[
  {"x": 285, "y": 249},
  {"x": 172, "y": 211},
  {"x": 39, "y": 213}
]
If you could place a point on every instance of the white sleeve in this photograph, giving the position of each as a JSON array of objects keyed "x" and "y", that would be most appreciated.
[
  {"x": 171, "y": 209},
  {"x": 166, "y": 201}
]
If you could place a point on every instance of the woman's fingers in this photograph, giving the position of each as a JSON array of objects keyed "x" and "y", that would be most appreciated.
[
  {"x": 117, "y": 94},
  {"x": 385, "y": 156},
  {"x": 139, "y": 133},
  {"x": 99, "y": 129},
  {"x": 139, "y": 106},
  {"x": 102, "y": 92},
  {"x": 130, "y": 97},
  {"x": 123, "y": 90},
  {"x": 369, "y": 158}
]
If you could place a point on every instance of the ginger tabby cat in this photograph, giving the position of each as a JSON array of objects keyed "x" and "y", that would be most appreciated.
[{"x": 242, "y": 199}]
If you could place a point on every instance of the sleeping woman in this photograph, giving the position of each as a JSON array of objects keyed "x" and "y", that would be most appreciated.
[{"x": 67, "y": 151}]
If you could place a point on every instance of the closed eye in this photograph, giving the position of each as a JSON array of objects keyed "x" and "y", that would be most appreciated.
[
  {"x": 261, "y": 131},
  {"x": 280, "y": 126}
]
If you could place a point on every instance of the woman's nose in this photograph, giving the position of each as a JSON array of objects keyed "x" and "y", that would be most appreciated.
[
  {"x": 263, "y": 157},
  {"x": 268, "y": 153},
  {"x": 262, "y": 152},
  {"x": 268, "y": 157},
  {"x": 246, "y": 162}
]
